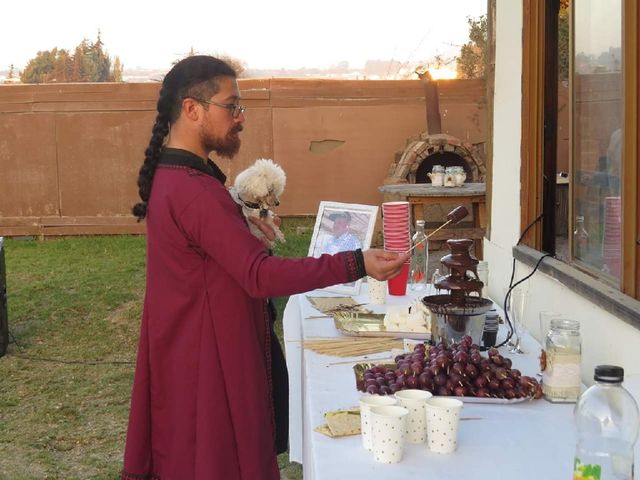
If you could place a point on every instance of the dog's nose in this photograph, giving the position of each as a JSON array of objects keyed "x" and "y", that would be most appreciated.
[{"x": 277, "y": 202}]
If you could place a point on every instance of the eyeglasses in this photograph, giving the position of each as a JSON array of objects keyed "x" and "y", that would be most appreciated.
[{"x": 236, "y": 109}]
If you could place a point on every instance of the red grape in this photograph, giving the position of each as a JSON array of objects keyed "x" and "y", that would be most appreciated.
[{"x": 372, "y": 389}]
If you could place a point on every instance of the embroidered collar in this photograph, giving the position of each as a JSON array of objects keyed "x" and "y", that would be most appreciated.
[{"x": 184, "y": 158}]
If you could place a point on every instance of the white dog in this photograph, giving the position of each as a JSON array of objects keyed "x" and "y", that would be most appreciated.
[{"x": 257, "y": 190}]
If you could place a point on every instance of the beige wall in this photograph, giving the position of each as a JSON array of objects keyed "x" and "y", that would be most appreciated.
[{"x": 69, "y": 154}]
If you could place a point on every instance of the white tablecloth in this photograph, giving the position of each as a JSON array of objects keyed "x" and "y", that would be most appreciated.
[{"x": 532, "y": 440}]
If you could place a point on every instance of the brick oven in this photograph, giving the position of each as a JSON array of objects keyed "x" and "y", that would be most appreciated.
[
  {"x": 427, "y": 149},
  {"x": 432, "y": 147}
]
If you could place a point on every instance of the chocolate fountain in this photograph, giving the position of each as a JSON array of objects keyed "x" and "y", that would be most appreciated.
[{"x": 458, "y": 313}]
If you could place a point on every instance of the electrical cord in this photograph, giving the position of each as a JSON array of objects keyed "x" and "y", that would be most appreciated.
[
  {"x": 62, "y": 361},
  {"x": 512, "y": 285}
]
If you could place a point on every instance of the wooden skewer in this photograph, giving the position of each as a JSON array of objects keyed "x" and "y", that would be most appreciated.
[
  {"x": 365, "y": 358},
  {"x": 352, "y": 347},
  {"x": 429, "y": 236}
]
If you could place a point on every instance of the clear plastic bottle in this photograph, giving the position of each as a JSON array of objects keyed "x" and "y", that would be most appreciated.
[
  {"x": 580, "y": 238},
  {"x": 419, "y": 259},
  {"x": 607, "y": 423}
]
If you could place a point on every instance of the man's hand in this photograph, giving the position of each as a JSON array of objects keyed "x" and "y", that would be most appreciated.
[
  {"x": 383, "y": 265},
  {"x": 266, "y": 229}
]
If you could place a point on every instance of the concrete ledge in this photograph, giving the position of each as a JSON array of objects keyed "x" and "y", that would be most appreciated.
[{"x": 593, "y": 290}]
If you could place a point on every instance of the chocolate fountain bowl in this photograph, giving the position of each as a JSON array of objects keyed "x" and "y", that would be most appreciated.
[{"x": 454, "y": 321}]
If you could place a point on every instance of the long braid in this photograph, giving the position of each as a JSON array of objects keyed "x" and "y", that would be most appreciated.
[
  {"x": 152, "y": 154},
  {"x": 194, "y": 76}
]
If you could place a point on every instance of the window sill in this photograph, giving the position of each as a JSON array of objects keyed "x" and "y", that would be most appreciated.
[{"x": 605, "y": 296}]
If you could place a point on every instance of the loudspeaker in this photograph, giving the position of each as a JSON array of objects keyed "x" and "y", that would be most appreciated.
[{"x": 4, "y": 317}]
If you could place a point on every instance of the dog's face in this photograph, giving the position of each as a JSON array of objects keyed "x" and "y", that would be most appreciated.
[{"x": 261, "y": 184}]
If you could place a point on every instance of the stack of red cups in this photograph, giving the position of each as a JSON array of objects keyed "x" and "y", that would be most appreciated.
[{"x": 395, "y": 229}]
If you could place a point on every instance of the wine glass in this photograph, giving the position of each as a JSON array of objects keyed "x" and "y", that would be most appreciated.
[{"x": 517, "y": 305}]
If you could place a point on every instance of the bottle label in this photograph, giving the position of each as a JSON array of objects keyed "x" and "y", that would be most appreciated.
[
  {"x": 586, "y": 472},
  {"x": 561, "y": 377}
]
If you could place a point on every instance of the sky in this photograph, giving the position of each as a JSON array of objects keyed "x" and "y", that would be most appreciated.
[{"x": 264, "y": 34}]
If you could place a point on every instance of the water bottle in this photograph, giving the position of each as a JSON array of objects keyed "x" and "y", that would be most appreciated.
[
  {"x": 419, "y": 259},
  {"x": 607, "y": 422}
]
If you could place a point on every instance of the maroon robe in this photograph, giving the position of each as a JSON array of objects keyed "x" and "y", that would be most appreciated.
[{"x": 201, "y": 405}]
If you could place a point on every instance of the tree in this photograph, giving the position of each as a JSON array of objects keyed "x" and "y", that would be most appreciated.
[
  {"x": 11, "y": 72},
  {"x": 89, "y": 63},
  {"x": 238, "y": 65},
  {"x": 474, "y": 55},
  {"x": 116, "y": 74},
  {"x": 563, "y": 40}
]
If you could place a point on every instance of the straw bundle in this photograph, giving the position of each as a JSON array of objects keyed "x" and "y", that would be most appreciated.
[{"x": 352, "y": 347}]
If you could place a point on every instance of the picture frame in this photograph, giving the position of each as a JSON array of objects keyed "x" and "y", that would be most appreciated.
[{"x": 341, "y": 227}]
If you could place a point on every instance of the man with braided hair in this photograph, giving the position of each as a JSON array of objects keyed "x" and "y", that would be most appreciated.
[{"x": 202, "y": 403}]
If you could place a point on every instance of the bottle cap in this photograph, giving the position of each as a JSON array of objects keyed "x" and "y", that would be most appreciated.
[{"x": 609, "y": 374}]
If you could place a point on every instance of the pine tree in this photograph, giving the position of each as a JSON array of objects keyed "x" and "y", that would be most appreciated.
[
  {"x": 474, "y": 55},
  {"x": 11, "y": 72},
  {"x": 89, "y": 63},
  {"x": 116, "y": 75}
]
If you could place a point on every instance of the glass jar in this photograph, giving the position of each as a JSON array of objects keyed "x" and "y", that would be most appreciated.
[
  {"x": 449, "y": 177},
  {"x": 561, "y": 378},
  {"x": 459, "y": 175},
  {"x": 437, "y": 175}
]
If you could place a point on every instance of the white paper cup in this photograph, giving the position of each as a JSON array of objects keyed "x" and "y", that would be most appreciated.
[
  {"x": 388, "y": 426},
  {"x": 415, "y": 401},
  {"x": 377, "y": 291},
  {"x": 443, "y": 418},
  {"x": 366, "y": 403}
]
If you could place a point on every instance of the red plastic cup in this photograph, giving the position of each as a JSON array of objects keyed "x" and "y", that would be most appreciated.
[{"x": 398, "y": 284}]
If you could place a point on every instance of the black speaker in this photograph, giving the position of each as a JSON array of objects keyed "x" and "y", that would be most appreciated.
[{"x": 4, "y": 317}]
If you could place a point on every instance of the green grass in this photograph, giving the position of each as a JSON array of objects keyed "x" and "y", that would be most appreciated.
[{"x": 74, "y": 310}]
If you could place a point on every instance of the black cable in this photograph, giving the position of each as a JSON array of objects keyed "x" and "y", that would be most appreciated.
[
  {"x": 72, "y": 362},
  {"x": 62, "y": 361},
  {"x": 507, "y": 297}
]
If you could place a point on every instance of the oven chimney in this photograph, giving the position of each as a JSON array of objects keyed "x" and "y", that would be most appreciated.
[{"x": 432, "y": 101}]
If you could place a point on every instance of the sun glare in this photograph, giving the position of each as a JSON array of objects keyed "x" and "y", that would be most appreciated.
[{"x": 443, "y": 73}]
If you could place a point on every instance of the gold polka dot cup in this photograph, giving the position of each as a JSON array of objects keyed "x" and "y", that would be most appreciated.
[
  {"x": 367, "y": 402},
  {"x": 388, "y": 425},
  {"x": 415, "y": 401},
  {"x": 443, "y": 418},
  {"x": 377, "y": 291}
]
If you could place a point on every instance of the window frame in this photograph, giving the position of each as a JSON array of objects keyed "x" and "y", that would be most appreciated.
[{"x": 539, "y": 127}]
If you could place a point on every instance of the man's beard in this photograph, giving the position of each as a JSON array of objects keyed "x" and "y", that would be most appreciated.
[{"x": 226, "y": 147}]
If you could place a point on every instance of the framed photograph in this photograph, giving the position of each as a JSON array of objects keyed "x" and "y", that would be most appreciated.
[{"x": 341, "y": 227}]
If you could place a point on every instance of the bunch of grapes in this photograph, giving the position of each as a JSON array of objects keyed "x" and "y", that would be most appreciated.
[{"x": 459, "y": 370}]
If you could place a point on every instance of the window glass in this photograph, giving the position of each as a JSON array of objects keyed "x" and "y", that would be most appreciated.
[{"x": 597, "y": 136}]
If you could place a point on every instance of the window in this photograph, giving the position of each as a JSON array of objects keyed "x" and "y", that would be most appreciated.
[{"x": 580, "y": 136}]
